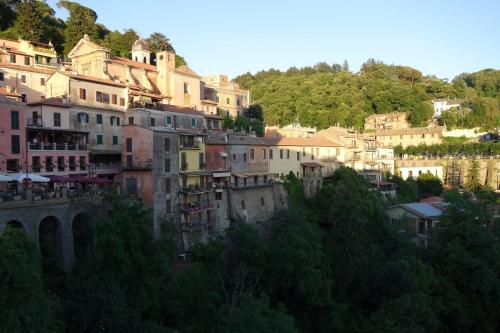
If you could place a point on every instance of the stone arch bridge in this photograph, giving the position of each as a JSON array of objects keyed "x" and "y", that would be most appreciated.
[{"x": 62, "y": 228}]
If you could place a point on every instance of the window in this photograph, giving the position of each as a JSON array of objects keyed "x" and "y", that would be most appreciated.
[
  {"x": 410, "y": 174},
  {"x": 167, "y": 165},
  {"x": 83, "y": 118},
  {"x": 72, "y": 163},
  {"x": 115, "y": 139},
  {"x": 238, "y": 102},
  {"x": 15, "y": 145},
  {"x": 131, "y": 186},
  {"x": 152, "y": 122},
  {"x": 244, "y": 157},
  {"x": 168, "y": 206},
  {"x": 193, "y": 122},
  {"x": 35, "y": 163},
  {"x": 281, "y": 154},
  {"x": 57, "y": 119},
  {"x": 1, "y": 76},
  {"x": 129, "y": 145},
  {"x": 83, "y": 164},
  {"x": 312, "y": 153},
  {"x": 14, "y": 119},
  {"x": 167, "y": 185},
  {"x": 130, "y": 120},
  {"x": 264, "y": 154},
  {"x": 23, "y": 78},
  {"x": 60, "y": 163},
  {"x": 298, "y": 156},
  {"x": 13, "y": 58},
  {"x": 218, "y": 195},
  {"x": 217, "y": 99},
  {"x": 122, "y": 101},
  {"x": 270, "y": 153},
  {"x": 317, "y": 152},
  {"x": 99, "y": 139},
  {"x": 337, "y": 151},
  {"x": 288, "y": 154},
  {"x": 24, "y": 98},
  {"x": 202, "y": 160},
  {"x": 114, "y": 99},
  {"x": 49, "y": 167},
  {"x": 243, "y": 206},
  {"x": 169, "y": 120},
  {"x": 98, "y": 119},
  {"x": 101, "y": 97},
  {"x": 252, "y": 154},
  {"x": 186, "y": 88},
  {"x": 234, "y": 157},
  {"x": 228, "y": 101},
  {"x": 42, "y": 81},
  {"x": 13, "y": 165},
  {"x": 262, "y": 202},
  {"x": 130, "y": 161},
  {"x": 114, "y": 121},
  {"x": 83, "y": 94},
  {"x": 27, "y": 61},
  {"x": 167, "y": 144}
]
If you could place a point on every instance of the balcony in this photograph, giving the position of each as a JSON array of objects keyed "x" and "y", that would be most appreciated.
[
  {"x": 243, "y": 185},
  {"x": 191, "y": 145},
  {"x": 57, "y": 146},
  {"x": 192, "y": 190},
  {"x": 196, "y": 207},
  {"x": 36, "y": 122}
]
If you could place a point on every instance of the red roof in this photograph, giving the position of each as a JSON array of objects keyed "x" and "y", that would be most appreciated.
[
  {"x": 181, "y": 109},
  {"x": 303, "y": 142},
  {"x": 132, "y": 63},
  {"x": 28, "y": 68},
  {"x": 4, "y": 91},
  {"x": 93, "y": 79}
]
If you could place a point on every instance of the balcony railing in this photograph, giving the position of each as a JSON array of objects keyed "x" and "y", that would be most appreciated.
[
  {"x": 242, "y": 185},
  {"x": 57, "y": 146},
  {"x": 192, "y": 190},
  {"x": 194, "y": 208},
  {"x": 37, "y": 122},
  {"x": 191, "y": 145},
  {"x": 138, "y": 165}
]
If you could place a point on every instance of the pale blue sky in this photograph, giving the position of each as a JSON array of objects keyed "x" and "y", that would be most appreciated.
[{"x": 440, "y": 37}]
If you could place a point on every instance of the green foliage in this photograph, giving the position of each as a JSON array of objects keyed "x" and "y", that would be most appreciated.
[
  {"x": 26, "y": 305},
  {"x": 406, "y": 190},
  {"x": 8, "y": 10},
  {"x": 472, "y": 181},
  {"x": 119, "y": 43},
  {"x": 179, "y": 61},
  {"x": 81, "y": 20},
  {"x": 159, "y": 42},
  {"x": 29, "y": 22},
  {"x": 429, "y": 185},
  {"x": 450, "y": 147}
]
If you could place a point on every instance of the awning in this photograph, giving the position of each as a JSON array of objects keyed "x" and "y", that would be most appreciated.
[
  {"x": 250, "y": 174},
  {"x": 4, "y": 178},
  {"x": 221, "y": 174},
  {"x": 19, "y": 177}
]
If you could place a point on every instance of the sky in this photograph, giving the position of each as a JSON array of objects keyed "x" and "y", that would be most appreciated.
[{"x": 439, "y": 37}]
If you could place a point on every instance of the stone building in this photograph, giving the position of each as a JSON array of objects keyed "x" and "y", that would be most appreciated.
[
  {"x": 387, "y": 121},
  {"x": 227, "y": 94}
]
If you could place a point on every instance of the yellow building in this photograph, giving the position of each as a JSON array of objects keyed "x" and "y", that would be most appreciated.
[
  {"x": 25, "y": 67},
  {"x": 294, "y": 130},
  {"x": 227, "y": 94},
  {"x": 410, "y": 136}
]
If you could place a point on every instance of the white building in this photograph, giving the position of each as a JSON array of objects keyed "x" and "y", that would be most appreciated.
[
  {"x": 414, "y": 168},
  {"x": 441, "y": 105}
]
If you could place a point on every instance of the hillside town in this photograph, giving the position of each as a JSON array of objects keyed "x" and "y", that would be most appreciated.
[{"x": 156, "y": 133}]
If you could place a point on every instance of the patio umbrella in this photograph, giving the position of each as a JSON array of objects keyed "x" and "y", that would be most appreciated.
[
  {"x": 19, "y": 177},
  {"x": 78, "y": 179},
  {"x": 4, "y": 178},
  {"x": 58, "y": 179},
  {"x": 102, "y": 181}
]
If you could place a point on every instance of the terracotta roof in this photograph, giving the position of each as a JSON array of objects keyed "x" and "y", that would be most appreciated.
[
  {"x": 53, "y": 101},
  {"x": 181, "y": 109},
  {"x": 28, "y": 69},
  {"x": 93, "y": 79},
  {"x": 302, "y": 142},
  {"x": 132, "y": 63},
  {"x": 245, "y": 139},
  {"x": 137, "y": 92},
  {"x": 4, "y": 91},
  {"x": 184, "y": 69}
]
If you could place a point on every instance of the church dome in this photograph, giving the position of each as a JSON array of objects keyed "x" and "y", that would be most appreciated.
[{"x": 140, "y": 45}]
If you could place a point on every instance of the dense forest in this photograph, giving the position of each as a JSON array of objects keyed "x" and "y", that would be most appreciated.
[
  {"x": 330, "y": 264},
  {"x": 324, "y": 95},
  {"x": 35, "y": 20}
]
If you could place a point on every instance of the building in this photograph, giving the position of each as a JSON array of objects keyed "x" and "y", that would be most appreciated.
[
  {"x": 13, "y": 156},
  {"x": 25, "y": 67},
  {"x": 387, "y": 121},
  {"x": 55, "y": 147},
  {"x": 441, "y": 105},
  {"x": 417, "y": 220},
  {"x": 227, "y": 94},
  {"x": 297, "y": 154},
  {"x": 414, "y": 168},
  {"x": 390, "y": 138}
]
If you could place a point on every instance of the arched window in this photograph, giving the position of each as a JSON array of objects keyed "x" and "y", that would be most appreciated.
[
  {"x": 243, "y": 204},
  {"x": 136, "y": 59},
  {"x": 144, "y": 60}
]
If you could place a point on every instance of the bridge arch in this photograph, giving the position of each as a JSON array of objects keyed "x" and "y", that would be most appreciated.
[{"x": 50, "y": 241}]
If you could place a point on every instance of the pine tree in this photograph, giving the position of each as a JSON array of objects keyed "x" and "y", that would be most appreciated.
[
  {"x": 81, "y": 20},
  {"x": 29, "y": 24}
]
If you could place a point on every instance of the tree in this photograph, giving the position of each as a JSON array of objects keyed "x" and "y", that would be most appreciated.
[
  {"x": 472, "y": 181},
  {"x": 81, "y": 20},
  {"x": 120, "y": 44},
  {"x": 29, "y": 22},
  {"x": 345, "y": 66},
  {"x": 180, "y": 61},
  {"x": 159, "y": 42},
  {"x": 26, "y": 306},
  {"x": 227, "y": 121},
  {"x": 8, "y": 10},
  {"x": 255, "y": 111},
  {"x": 429, "y": 185}
]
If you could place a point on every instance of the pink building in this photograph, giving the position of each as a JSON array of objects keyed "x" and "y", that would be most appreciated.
[{"x": 12, "y": 135}]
